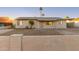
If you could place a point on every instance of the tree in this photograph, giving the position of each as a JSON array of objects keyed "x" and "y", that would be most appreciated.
[
  {"x": 31, "y": 23},
  {"x": 66, "y": 17},
  {"x": 41, "y": 11},
  {"x": 41, "y": 8}
]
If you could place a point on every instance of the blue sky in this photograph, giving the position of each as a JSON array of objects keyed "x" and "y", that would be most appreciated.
[{"x": 34, "y": 11}]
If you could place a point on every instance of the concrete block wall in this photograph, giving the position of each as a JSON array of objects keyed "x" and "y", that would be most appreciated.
[
  {"x": 39, "y": 43},
  {"x": 15, "y": 42},
  {"x": 51, "y": 43},
  {"x": 11, "y": 43},
  {"x": 4, "y": 43}
]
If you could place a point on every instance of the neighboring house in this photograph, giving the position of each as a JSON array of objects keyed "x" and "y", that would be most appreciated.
[
  {"x": 40, "y": 22},
  {"x": 76, "y": 22},
  {"x": 5, "y": 21},
  {"x": 73, "y": 23},
  {"x": 69, "y": 22}
]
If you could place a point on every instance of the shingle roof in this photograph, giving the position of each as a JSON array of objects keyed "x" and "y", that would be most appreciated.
[{"x": 39, "y": 18}]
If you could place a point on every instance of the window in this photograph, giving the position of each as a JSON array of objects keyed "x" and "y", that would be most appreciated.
[
  {"x": 19, "y": 22},
  {"x": 49, "y": 23}
]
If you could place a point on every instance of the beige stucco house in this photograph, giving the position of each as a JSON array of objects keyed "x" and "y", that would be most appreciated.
[{"x": 40, "y": 22}]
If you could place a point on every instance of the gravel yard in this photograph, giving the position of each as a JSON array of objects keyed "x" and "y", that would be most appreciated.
[
  {"x": 36, "y": 32},
  {"x": 32, "y": 32}
]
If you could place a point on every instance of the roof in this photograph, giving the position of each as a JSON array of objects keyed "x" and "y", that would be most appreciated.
[
  {"x": 5, "y": 20},
  {"x": 68, "y": 18},
  {"x": 42, "y": 18},
  {"x": 39, "y": 18}
]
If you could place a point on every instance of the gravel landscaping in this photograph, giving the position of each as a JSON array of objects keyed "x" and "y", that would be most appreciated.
[
  {"x": 32, "y": 32},
  {"x": 36, "y": 32}
]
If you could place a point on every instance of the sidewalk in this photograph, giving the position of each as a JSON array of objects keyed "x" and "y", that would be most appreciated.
[{"x": 2, "y": 31}]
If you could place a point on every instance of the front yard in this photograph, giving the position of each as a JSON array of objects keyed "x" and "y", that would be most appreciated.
[
  {"x": 36, "y": 32},
  {"x": 32, "y": 32}
]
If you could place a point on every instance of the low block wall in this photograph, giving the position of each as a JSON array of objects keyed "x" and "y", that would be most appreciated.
[
  {"x": 15, "y": 43},
  {"x": 5, "y": 27},
  {"x": 51, "y": 43},
  {"x": 4, "y": 43},
  {"x": 40, "y": 43},
  {"x": 2, "y": 31}
]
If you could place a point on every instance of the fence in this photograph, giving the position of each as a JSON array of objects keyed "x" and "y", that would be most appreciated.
[{"x": 39, "y": 43}]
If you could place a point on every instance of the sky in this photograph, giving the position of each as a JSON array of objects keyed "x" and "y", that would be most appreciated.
[{"x": 15, "y": 12}]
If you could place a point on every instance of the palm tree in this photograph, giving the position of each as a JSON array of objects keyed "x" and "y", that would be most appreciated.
[
  {"x": 41, "y": 12},
  {"x": 31, "y": 23}
]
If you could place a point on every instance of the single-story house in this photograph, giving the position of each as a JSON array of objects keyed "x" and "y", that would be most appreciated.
[{"x": 40, "y": 22}]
